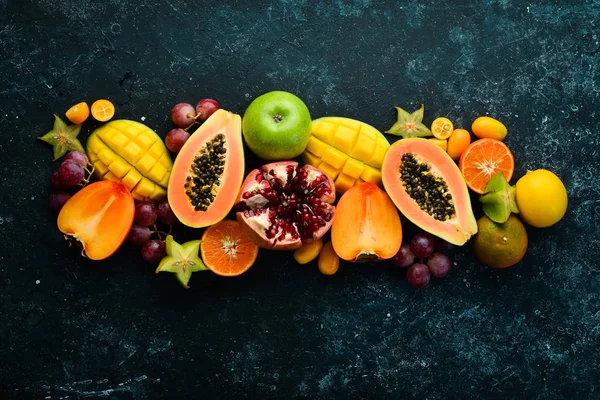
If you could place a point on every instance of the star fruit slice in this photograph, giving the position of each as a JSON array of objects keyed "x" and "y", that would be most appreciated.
[
  {"x": 498, "y": 199},
  {"x": 410, "y": 125},
  {"x": 63, "y": 138},
  {"x": 181, "y": 259}
]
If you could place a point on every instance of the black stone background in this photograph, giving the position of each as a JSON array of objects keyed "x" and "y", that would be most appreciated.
[{"x": 71, "y": 328}]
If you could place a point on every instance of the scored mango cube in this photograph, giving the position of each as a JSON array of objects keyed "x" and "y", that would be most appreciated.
[
  {"x": 106, "y": 156},
  {"x": 310, "y": 158},
  {"x": 343, "y": 182},
  {"x": 344, "y": 139},
  {"x": 132, "y": 152},
  {"x": 353, "y": 168},
  {"x": 144, "y": 188},
  {"x": 100, "y": 169},
  {"x": 157, "y": 172},
  {"x": 363, "y": 148},
  {"x": 316, "y": 146},
  {"x": 145, "y": 141},
  {"x": 372, "y": 175},
  {"x": 334, "y": 157},
  {"x": 145, "y": 164},
  {"x": 119, "y": 167},
  {"x": 132, "y": 178},
  {"x": 323, "y": 130},
  {"x": 330, "y": 171}
]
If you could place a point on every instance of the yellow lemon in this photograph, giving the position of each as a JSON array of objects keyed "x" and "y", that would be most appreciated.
[{"x": 541, "y": 198}]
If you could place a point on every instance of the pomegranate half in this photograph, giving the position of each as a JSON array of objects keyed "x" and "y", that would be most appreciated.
[{"x": 282, "y": 205}]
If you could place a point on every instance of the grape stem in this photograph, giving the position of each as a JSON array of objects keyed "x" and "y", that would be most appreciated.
[
  {"x": 159, "y": 233},
  {"x": 194, "y": 117},
  {"x": 86, "y": 180}
]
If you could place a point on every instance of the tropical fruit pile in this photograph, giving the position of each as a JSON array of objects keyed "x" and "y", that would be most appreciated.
[{"x": 196, "y": 178}]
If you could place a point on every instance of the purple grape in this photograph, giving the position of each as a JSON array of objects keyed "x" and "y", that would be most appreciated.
[
  {"x": 165, "y": 214},
  {"x": 139, "y": 235},
  {"x": 206, "y": 108},
  {"x": 422, "y": 244},
  {"x": 418, "y": 275},
  {"x": 404, "y": 257},
  {"x": 175, "y": 139},
  {"x": 442, "y": 245},
  {"x": 70, "y": 173},
  {"x": 55, "y": 182},
  {"x": 182, "y": 114},
  {"x": 154, "y": 251},
  {"x": 439, "y": 264},
  {"x": 145, "y": 213},
  {"x": 79, "y": 157},
  {"x": 56, "y": 201}
]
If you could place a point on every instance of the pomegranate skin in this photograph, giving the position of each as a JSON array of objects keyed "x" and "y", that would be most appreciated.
[{"x": 281, "y": 206}]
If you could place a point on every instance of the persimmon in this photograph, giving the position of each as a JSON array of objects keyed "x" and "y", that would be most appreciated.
[
  {"x": 99, "y": 217},
  {"x": 366, "y": 225}
]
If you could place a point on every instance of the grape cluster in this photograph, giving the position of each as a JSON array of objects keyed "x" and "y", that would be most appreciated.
[
  {"x": 184, "y": 116},
  {"x": 70, "y": 173},
  {"x": 424, "y": 257},
  {"x": 146, "y": 216}
]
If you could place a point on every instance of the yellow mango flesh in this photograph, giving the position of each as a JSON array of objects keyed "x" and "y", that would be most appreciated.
[
  {"x": 131, "y": 153},
  {"x": 346, "y": 150}
]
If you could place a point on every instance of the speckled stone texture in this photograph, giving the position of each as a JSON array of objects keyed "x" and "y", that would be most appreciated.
[{"x": 72, "y": 328}]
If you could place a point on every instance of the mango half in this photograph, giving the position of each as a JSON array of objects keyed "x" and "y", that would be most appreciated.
[
  {"x": 132, "y": 153},
  {"x": 348, "y": 151}
]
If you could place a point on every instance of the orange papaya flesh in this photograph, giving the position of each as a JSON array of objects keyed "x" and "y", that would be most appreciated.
[
  {"x": 99, "y": 216},
  {"x": 428, "y": 188},
  {"x": 208, "y": 171},
  {"x": 366, "y": 225}
]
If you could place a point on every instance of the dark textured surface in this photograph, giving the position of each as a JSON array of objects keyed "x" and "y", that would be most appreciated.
[{"x": 71, "y": 328}]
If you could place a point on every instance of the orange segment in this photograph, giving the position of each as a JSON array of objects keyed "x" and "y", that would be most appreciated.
[
  {"x": 103, "y": 110},
  {"x": 78, "y": 113},
  {"x": 442, "y": 128},
  {"x": 482, "y": 160},
  {"x": 226, "y": 250}
]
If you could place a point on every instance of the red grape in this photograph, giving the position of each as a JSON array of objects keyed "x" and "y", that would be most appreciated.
[
  {"x": 439, "y": 264},
  {"x": 57, "y": 200},
  {"x": 206, "y": 108},
  {"x": 418, "y": 275},
  {"x": 175, "y": 139},
  {"x": 442, "y": 245},
  {"x": 404, "y": 257},
  {"x": 422, "y": 244},
  {"x": 70, "y": 173},
  {"x": 165, "y": 214},
  {"x": 139, "y": 235},
  {"x": 154, "y": 251},
  {"x": 79, "y": 157},
  {"x": 56, "y": 183},
  {"x": 145, "y": 213},
  {"x": 182, "y": 114}
]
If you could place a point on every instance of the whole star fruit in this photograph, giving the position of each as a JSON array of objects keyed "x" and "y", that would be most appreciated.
[
  {"x": 63, "y": 138},
  {"x": 410, "y": 125},
  {"x": 498, "y": 199},
  {"x": 181, "y": 260}
]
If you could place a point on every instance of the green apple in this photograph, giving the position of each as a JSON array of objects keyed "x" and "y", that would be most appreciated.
[{"x": 276, "y": 126}]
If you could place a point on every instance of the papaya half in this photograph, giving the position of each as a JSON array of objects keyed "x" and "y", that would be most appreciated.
[
  {"x": 208, "y": 171},
  {"x": 428, "y": 188}
]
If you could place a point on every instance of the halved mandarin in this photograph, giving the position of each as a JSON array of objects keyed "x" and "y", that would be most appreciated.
[
  {"x": 226, "y": 250},
  {"x": 483, "y": 159}
]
